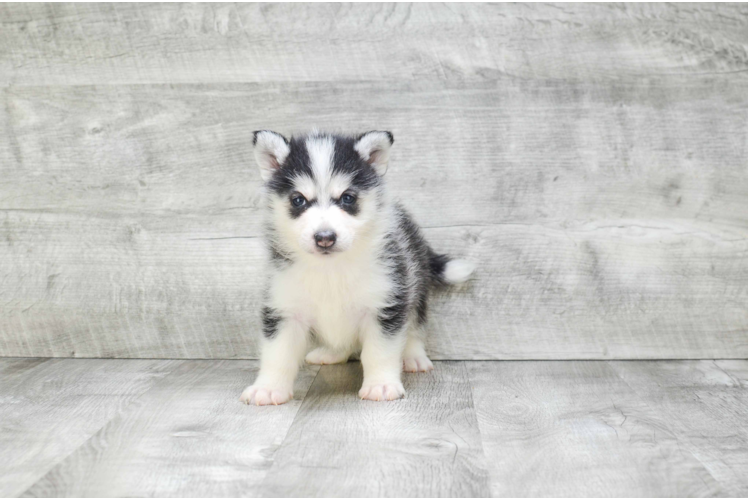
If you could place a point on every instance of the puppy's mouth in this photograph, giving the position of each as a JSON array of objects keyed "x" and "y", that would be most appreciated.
[{"x": 326, "y": 251}]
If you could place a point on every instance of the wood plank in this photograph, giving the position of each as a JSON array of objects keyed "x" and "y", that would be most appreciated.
[
  {"x": 737, "y": 369},
  {"x": 58, "y": 405},
  {"x": 75, "y": 44},
  {"x": 188, "y": 436},
  {"x": 706, "y": 405},
  {"x": 425, "y": 445},
  {"x": 15, "y": 370},
  {"x": 512, "y": 151},
  {"x": 563, "y": 428},
  {"x": 539, "y": 293},
  {"x": 577, "y": 429},
  {"x": 131, "y": 213},
  {"x": 161, "y": 294}
]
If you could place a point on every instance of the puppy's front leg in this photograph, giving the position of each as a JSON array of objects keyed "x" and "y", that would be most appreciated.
[
  {"x": 382, "y": 358},
  {"x": 282, "y": 353}
]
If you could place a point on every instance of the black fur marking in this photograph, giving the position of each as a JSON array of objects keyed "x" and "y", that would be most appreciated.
[
  {"x": 430, "y": 265},
  {"x": 276, "y": 253},
  {"x": 270, "y": 321},
  {"x": 351, "y": 209},
  {"x": 313, "y": 335},
  {"x": 425, "y": 269},
  {"x": 392, "y": 318},
  {"x": 277, "y": 257},
  {"x": 347, "y": 161},
  {"x": 296, "y": 212},
  {"x": 295, "y": 165},
  {"x": 437, "y": 264},
  {"x": 422, "y": 307}
]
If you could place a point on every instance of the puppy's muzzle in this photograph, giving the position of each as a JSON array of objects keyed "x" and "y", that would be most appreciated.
[{"x": 325, "y": 239}]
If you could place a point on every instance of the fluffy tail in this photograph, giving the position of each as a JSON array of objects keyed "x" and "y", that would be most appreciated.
[{"x": 446, "y": 271}]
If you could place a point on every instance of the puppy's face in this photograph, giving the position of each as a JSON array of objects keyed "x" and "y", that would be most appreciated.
[{"x": 323, "y": 188}]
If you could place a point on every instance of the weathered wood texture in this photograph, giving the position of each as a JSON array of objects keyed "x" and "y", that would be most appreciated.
[
  {"x": 575, "y": 429},
  {"x": 706, "y": 407},
  {"x": 590, "y": 158},
  {"x": 49, "y": 409},
  {"x": 79, "y": 44},
  {"x": 425, "y": 445},
  {"x": 189, "y": 436},
  {"x": 554, "y": 428}
]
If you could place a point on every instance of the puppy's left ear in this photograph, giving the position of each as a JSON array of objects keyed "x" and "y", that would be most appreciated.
[
  {"x": 374, "y": 149},
  {"x": 271, "y": 150}
]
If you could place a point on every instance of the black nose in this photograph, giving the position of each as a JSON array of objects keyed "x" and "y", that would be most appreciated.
[{"x": 325, "y": 239}]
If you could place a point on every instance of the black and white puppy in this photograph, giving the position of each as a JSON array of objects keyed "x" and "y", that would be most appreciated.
[{"x": 348, "y": 266}]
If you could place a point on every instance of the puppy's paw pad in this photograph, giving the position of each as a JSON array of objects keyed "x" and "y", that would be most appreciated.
[
  {"x": 382, "y": 392},
  {"x": 417, "y": 364},
  {"x": 262, "y": 396},
  {"x": 322, "y": 356}
]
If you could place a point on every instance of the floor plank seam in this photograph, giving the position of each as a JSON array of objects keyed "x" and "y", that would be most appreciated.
[
  {"x": 662, "y": 414},
  {"x": 728, "y": 374},
  {"x": 470, "y": 443},
  {"x": 122, "y": 411},
  {"x": 471, "y": 395},
  {"x": 261, "y": 484},
  {"x": 296, "y": 415}
]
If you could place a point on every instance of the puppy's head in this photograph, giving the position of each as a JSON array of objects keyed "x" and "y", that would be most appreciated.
[{"x": 323, "y": 188}]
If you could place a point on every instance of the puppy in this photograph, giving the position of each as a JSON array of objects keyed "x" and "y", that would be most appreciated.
[{"x": 348, "y": 266}]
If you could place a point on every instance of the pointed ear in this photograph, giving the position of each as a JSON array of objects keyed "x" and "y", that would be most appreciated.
[
  {"x": 271, "y": 150},
  {"x": 374, "y": 148}
]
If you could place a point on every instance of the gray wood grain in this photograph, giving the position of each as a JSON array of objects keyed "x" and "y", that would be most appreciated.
[
  {"x": 568, "y": 428},
  {"x": 590, "y": 158},
  {"x": 188, "y": 436},
  {"x": 666, "y": 150},
  {"x": 425, "y": 445},
  {"x": 52, "y": 408},
  {"x": 131, "y": 214},
  {"x": 577, "y": 429},
  {"x": 133, "y": 43},
  {"x": 706, "y": 406},
  {"x": 14, "y": 371}
]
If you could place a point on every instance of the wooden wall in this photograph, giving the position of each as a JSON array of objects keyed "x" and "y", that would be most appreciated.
[{"x": 593, "y": 159}]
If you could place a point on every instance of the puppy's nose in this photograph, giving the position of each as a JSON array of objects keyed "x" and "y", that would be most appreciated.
[{"x": 325, "y": 239}]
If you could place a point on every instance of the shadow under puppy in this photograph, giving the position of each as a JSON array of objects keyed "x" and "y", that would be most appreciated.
[{"x": 347, "y": 265}]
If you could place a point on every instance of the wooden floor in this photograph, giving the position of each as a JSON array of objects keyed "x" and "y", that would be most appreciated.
[{"x": 90, "y": 427}]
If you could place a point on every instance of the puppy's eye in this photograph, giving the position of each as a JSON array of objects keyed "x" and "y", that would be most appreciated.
[
  {"x": 348, "y": 199},
  {"x": 298, "y": 201}
]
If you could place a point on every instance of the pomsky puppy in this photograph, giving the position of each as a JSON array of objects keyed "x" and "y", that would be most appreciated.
[{"x": 348, "y": 266}]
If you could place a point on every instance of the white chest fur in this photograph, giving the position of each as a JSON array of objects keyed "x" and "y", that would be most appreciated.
[{"x": 331, "y": 296}]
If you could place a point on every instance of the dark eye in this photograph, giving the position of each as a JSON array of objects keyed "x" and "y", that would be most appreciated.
[
  {"x": 348, "y": 199},
  {"x": 298, "y": 201}
]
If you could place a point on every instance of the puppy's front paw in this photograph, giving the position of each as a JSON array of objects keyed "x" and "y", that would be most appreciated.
[
  {"x": 382, "y": 392},
  {"x": 264, "y": 395},
  {"x": 417, "y": 364}
]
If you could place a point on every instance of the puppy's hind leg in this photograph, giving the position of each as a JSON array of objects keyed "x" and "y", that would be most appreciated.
[
  {"x": 414, "y": 355},
  {"x": 325, "y": 356}
]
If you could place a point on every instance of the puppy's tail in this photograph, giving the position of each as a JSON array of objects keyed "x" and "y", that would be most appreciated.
[{"x": 448, "y": 271}]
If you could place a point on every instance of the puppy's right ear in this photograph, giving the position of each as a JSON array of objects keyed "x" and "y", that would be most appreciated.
[
  {"x": 374, "y": 149},
  {"x": 271, "y": 150}
]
